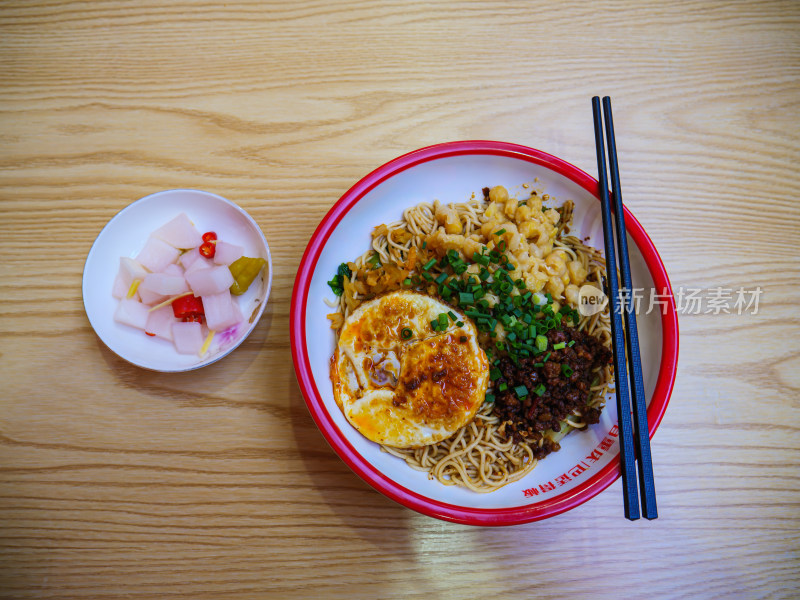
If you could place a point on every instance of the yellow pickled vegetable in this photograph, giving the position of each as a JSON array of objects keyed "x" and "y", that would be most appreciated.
[{"x": 244, "y": 271}]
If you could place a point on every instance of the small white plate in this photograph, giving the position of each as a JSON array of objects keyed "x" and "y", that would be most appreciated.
[{"x": 126, "y": 234}]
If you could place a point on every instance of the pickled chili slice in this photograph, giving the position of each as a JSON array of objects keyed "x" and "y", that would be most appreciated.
[{"x": 244, "y": 271}]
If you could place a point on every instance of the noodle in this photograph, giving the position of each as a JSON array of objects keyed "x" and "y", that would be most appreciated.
[{"x": 479, "y": 456}]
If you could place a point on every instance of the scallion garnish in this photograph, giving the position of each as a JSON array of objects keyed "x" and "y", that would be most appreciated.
[
  {"x": 560, "y": 346},
  {"x": 466, "y": 298},
  {"x": 429, "y": 264},
  {"x": 567, "y": 370},
  {"x": 540, "y": 390},
  {"x": 541, "y": 343},
  {"x": 521, "y": 391},
  {"x": 406, "y": 333}
]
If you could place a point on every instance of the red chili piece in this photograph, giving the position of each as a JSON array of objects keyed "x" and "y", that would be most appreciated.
[
  {"x": 208, "y": 249},
  {"x": 186, "y": 306},
  {"x": 209, "y": 236}
]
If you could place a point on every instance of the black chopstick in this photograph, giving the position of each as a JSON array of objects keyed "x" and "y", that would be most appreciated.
[
  {"x": 627, "y": 449},
  {"x": 647, "y": 487}
]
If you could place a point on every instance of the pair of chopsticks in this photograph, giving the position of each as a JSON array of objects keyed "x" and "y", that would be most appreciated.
[{"x": 634, "y": 442}]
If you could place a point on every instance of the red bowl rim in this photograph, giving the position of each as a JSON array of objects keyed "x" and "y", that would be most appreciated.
[{"x": 434, "y": 508}]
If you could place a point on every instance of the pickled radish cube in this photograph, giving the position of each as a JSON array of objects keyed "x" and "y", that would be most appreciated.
[
  {"x": 206, "y": 282},
  {"x": 130, "y": 312},
  {"x": 221, "y": 311},
  {"x": 226, "y": 253},
  {"x": 188, "y": 337},
  {"x": 159, "y": 322},
  {"x": 180, "y": 232},
  {"x": 199, "y": 263},
  {"x": 120, "y": 289},
  {"x": 149, "y": 297},
  {"x": 163, "y": 284},
  {"x": 157, "y": 254},
  {"x": 173, "y": 269},
  {"x": 237, "y": 311},
  {"x": 129, "y": 270},
  {"x": 188, "y": 257}
]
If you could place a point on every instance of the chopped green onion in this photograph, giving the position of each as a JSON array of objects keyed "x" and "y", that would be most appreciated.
[
  {"x": 375, "y": 261},
  {"x": 541, "y": 343},
  {"x": 441, "y": 278},
  {"x": 539, "y": 391},
  {"x": 502, "y": 387},
  {"x": 460, "y": 323},
  {"x": 480, "y": 259},
  {"x": 475, "y": 314},
  {"x": 463, "y": 338},
  {"x": 538, "y": 364},
  {"x": 428, "y": 276},
  {"x": 521, "y": 391},
  {"x": 567, "y": 370},
  {"x": 494, "y": 374},
  {"x": 429, "y": 264},
  {"x": 407, "y": 281},
  {"x": 406, "y": 333},
  {"x": 435, "y": 325},
  {"x": 443, "y": 322},
  {"x": 489, "y": 398},
  {"x": 424, "y": 245},
  {"x": 546, "y": 356},
  {"x": 501, "y": 232},
  {"x": 560, "y": 346},
  {"x": 466, "y": 298},
  {"x": 571, "y": 344}
]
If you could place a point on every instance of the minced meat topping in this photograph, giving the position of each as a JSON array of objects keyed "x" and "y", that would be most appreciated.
[{"x": 556, "y": 387}]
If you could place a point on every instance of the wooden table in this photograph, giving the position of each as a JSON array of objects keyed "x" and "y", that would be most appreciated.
[{"x": 121, "y": 483}]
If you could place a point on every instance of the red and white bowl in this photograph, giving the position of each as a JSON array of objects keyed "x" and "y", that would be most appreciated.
[{"x": 588, "y": 461}]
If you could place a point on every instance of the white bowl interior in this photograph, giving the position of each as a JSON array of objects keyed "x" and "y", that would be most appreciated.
[
  {"x": 126, "y": 234},
  {"x": 455, "y": 179}
]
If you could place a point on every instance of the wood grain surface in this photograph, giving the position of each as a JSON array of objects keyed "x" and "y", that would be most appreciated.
[{"x": 121, "y": 483}]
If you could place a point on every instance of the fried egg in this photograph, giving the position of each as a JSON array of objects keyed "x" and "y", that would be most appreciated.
[{"x": 400, "y": 382}]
